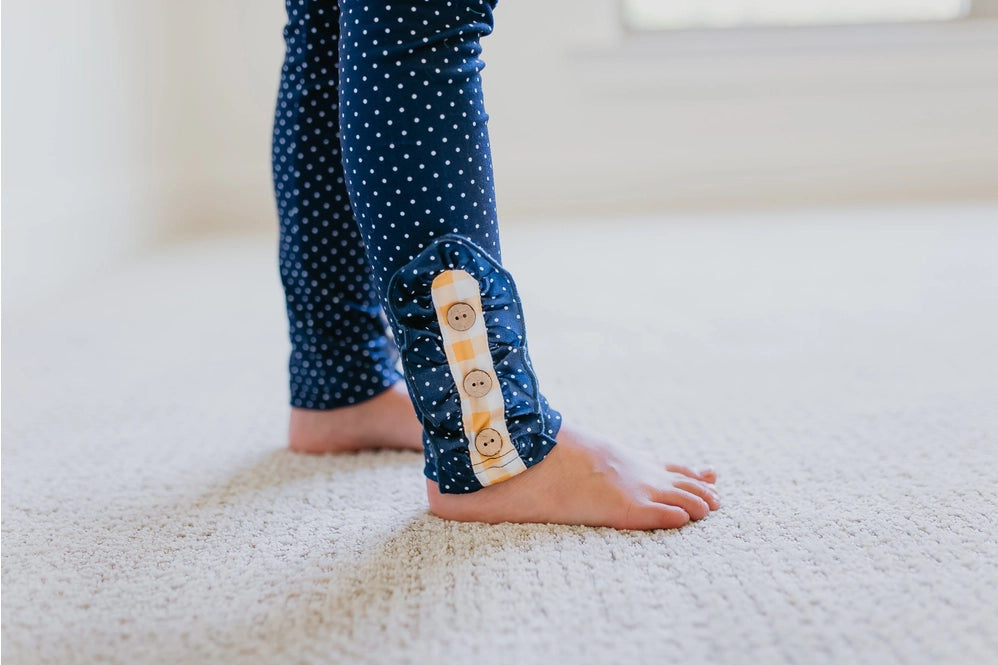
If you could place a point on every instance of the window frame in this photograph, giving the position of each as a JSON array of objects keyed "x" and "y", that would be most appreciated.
[{"x": 971, "y": 9}]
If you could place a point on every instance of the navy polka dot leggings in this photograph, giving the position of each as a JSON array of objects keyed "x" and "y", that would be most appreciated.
[
  {"x": 380, "y": 153},
  {"x": 409, "y": 162}
]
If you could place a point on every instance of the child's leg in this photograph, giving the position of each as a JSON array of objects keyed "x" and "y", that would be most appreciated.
[
  {"x": 418, "y": 167},
  {"x": 342, "y": 364}
]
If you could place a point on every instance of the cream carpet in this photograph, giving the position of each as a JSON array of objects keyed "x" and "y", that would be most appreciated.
[{"x": 839, "y": 369}]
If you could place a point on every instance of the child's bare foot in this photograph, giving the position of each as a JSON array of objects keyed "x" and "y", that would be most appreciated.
[
  {"x": 585, "y": 481},
  {"x": 384, "y": 421}
]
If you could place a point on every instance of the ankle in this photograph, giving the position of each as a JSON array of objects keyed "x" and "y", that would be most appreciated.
[
  {"x": 314, "y": 431},
  {"x": 384, "y": 421}
]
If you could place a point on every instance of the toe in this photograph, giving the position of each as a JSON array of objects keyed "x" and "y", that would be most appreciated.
[
  {"x": 688, "y": 501},
  {"x": 707, "y": 475},
  {"x": 648, "y": 516},
  {"x": 685, "y": 470},
  {"x": 702, "y": 490}
]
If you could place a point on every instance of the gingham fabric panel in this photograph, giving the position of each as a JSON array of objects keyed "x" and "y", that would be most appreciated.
[{"x": 468, "y": 351}]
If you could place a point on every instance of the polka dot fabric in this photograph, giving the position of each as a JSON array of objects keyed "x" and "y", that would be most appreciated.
[
  {"x": 383, "y": 176},
  {"x": 531, "y": 424},
  {"x": 340, "y": 351},
  {"x": 380, "y": 145},
  {"x": 415, "y": 140}
]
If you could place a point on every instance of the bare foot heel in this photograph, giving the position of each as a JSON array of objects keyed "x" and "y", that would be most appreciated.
[{"x": 384, "y": 421}]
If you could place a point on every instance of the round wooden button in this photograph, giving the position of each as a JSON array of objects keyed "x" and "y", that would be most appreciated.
[
  {"x": 488, "y": 442},
  {"x": 477, "y": 383},
  {"x": 461, "y": 316}
]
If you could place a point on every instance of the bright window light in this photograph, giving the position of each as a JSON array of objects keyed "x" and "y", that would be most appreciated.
[{"x": 661, "y": 14}]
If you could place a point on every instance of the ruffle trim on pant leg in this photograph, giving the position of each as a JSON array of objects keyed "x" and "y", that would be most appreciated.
[{"x": 459, "y": 327}]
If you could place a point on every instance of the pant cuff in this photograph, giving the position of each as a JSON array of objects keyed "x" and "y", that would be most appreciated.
[
  {"x": 459, "y": 327},
  {"x": 327, "y": 377}
]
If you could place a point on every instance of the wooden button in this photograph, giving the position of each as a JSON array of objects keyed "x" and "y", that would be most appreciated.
[
  {"x": 477, "y": 383},
  {"x": 488, "y": 442},
  {"x": 461, "y": 316}
]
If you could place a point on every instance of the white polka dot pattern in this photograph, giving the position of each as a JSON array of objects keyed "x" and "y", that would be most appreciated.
[
  {"x": 340, "y": 352},
  {"x": 513, "y": 427},
  {"x": 414, "y": 128},
  {"x": 380, "y": 145},
  {"x": 382, "y": 166}
]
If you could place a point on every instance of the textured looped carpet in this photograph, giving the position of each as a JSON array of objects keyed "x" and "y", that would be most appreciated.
[{"x": 839, "y": 369}]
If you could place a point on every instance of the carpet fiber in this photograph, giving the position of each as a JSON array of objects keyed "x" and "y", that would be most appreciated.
[{"x": 838, "y": 368}]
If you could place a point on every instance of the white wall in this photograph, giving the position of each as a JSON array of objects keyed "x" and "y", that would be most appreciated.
[
  {"x": 125, "y": 123},
  {"x": 130, "y": 122},
  {"x": 78, "y": 139},
  {"x": 704, "y": 119}
]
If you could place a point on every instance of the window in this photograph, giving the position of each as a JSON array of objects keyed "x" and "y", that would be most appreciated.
[{"x": 670, "y": 14}]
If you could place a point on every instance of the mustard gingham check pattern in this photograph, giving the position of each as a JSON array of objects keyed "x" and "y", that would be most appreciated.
[{"x": 468, "y": 350}]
